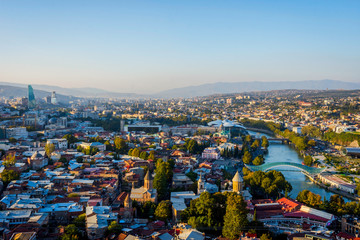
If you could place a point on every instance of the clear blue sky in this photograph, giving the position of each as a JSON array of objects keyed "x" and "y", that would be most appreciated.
[{"x": 151, "y": 45}]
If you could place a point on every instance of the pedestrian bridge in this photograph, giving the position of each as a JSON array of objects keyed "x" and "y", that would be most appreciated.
[{"x": 268, "y": 166}]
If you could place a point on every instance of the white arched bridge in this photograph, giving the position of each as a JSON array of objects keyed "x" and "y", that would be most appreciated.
[{"x": 268, "y": 166}]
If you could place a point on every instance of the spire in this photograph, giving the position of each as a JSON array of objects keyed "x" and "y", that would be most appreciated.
[
  {"x": 148, "y": 182},
  {"x": 147, "y": 176},
  {"x": 200, "y": 178},
  {"x": 128, "y": 202},
  {"x": 237, "y": 177}
]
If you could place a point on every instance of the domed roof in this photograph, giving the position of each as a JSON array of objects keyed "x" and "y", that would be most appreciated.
[
  {"x": 237, "y": 177},
  {"x": 52, "y": 120},
  {"x": 36, "y": 155}
]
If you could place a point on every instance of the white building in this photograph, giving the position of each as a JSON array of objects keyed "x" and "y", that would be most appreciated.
[
  {"x": 17, "y": 132},
  {"x": 211, "y": 153},
  {"x": 59, "y": 143},
  {"x": 337, "y": 182}
]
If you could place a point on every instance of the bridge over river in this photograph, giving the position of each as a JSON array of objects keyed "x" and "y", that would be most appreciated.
[{"x": 303, "y": 168}]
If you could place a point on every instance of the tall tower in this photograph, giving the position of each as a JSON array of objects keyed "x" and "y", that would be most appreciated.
[
  {"x": 31, "y": 97},
  {"x": 128, "y": 201},
  {"x": 237, "y": 182},
  {"x": 148, "y": 182},
  {"x": 201, "y": 185},
  {"x": 53, "y": 98}
]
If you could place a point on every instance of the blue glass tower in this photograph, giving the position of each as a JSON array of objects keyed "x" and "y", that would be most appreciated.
[{"x": 32, "y": 102}]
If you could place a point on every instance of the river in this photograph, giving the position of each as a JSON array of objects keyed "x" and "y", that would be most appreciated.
[{"x": 285, "y": 153}]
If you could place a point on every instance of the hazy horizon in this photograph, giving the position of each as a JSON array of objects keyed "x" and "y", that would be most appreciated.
[{"x": 147, "y": 47}]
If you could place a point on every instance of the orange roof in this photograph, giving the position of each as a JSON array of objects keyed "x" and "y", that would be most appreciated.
[{"x": 288, "y": 203}]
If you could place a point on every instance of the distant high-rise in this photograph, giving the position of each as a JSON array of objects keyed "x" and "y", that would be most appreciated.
[
  {"x": 53, "y": 98},
  {"x": 31, "y": 97}
]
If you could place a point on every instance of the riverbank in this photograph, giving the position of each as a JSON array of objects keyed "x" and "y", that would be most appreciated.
[
  {"x": 333, "y": 190},
  {"x": 270, "y": 133},
  {"x": 299, "y": 181}
]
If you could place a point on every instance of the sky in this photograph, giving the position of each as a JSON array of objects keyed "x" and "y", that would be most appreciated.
[{"x": 151, "y": 45}]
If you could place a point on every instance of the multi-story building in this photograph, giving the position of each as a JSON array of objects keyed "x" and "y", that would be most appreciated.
[
  {"x": 17, "y": 132},
  {"x": 59, "y": 143},
  {"x": 211, "y": 153}
]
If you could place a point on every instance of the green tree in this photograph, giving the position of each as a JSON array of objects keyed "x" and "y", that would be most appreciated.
[
  {"x": 235, "y": 217},
  {"x": 144, "y": 155},
  {"x": 9, "y": 160},
  {"x": 49, "y": 148},
  {"x": 247, "y": 158},
  {"x": 71, "y": 232},
  {"x": 71, "y": 195},
  {"x": 80, "y": 221},
  {"x": 163, "y": 211},
  {"x": 255, "y": 145},
  {"x": 114, "y": 228},
  {"x": 308, "y": 161},
  {"x": 152, "y": 155},
  {"x": 163, "y": 178},
  {"x": 9, "y": 175},
  {"x": 120, "y": 145},
  {"x": 258, "y": 160},
  {"x": 192, "y": 146},
  {"x": 264, "y": 142},
  {"x": 136, "y": 152},
  {"x": 265, "y": 236},
  {"x": 70, "y": 138}
]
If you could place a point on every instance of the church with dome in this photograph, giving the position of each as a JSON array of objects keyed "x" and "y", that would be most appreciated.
[{"x": 37, "y": 161}]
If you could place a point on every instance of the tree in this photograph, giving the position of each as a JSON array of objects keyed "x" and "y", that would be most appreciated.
[
  {"x": 9, "y": 175},
  {"x": 152, "y": 155},
  {"x": 144, "y": 155},
  {"x": 163, "y": 178},
  {"x": 309, "y": 198},
  {"x": 192, "y": 146},
  {"x": 136, "y": 152},
  {"x": 49, "y": 148},
  {"x": 80, "y": 221},
  {"x": 248, "y": 139},
  {"x": 258, "y": 160},
  {"x": 71, "y": 232},
  {"x": 255, "y": 145},
  {"x": 114, "y": 227},
  {"x": 71, "y": 195},
  {"x": 206, "y": 213},
  {"x": 9, "y": 160},
  {"x": 235, "y": 217},
  {"x": 308, "y": 161},
  {"x": 247, "y": 158},
  {"x": 163, "y": 210},
  {"x": 265, "y": 236},
  {"x": 120, "y": 145},
  {"x": 145, "y": 210},
  {"x": 267, "y": 184},
  {"x": 265, "y": 142},
  {"x": 70, "y": 138}
]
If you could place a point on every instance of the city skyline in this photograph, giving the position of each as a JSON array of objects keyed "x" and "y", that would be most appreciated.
[{"x": 147, "y": 47}]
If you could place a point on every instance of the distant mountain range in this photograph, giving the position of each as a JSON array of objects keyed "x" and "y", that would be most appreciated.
[
  {"x": 239, "y": 87},
  {"x": 77, "y": 92},
  {"x": 12, "y": 91},
  {"x": 17, "y": 90}
]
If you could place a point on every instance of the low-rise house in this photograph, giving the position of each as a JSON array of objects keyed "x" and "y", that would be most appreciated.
[
  {"x": 98, "y": 218},
  {"x": 181, "y": 181},
  {"x": 62, "y": 213}
]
